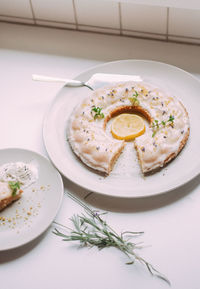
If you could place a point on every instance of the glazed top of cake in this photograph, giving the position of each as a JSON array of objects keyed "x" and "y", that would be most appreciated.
[{"x": 166, "y": 134}]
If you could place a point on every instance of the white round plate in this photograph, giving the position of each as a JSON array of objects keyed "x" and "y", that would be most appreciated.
[
  {"x": 31, "y": 215},
  {"x": 126, "y": 179}
]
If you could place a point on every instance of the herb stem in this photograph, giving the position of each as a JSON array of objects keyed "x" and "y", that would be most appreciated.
[
  {"x": 134, "y": 99},
  {"x": 92, "y": 230},
  {"x": 156, "y": 124}
]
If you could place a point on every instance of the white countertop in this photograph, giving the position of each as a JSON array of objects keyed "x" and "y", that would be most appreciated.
[{"x": 170, "y": 221}]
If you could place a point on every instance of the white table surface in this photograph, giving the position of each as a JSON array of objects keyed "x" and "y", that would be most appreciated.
[{"x": 170, "y": 221}]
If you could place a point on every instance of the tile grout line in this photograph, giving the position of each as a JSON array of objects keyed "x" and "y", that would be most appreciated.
[
  {"x": 97, "y": 27},
  {"x": 120, "y": 18},
  {"x": 141, "y": 36},
  {"x": 83, "y": 25},
  {"x": 143, "y": 32},
  {"x": 184, "y": 37},
  {"x": 32, "y": 11},
  {"x": 75, "y": 14},
  {"x": 37, "y": 19},
  {"x": 55, "y": 22},
  {"x": 167, "y": 28},
  {"x": 15, "y": 17}
]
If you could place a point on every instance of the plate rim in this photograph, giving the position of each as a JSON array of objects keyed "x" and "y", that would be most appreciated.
[
  {"x": 136, "y": 60},
  {"x": 187, "y": 179},
  {"x": 46, "y": 226}
]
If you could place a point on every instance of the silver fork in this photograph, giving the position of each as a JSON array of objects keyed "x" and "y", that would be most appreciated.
[
  {"x": 66, "y": 81},
  {"x": 97, "y": 80}
]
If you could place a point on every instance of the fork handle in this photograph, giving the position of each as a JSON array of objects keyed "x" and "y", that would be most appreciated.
[{"x": 69, "y": 82}]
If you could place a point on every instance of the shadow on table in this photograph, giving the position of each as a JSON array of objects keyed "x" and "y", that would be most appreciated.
[
  {"x": 12, "y": 254},
  {"x": 119, "y": 204}
]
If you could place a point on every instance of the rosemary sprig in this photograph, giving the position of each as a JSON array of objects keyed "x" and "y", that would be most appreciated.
[
  {"x": 96, "y": 111},
  {"x": 156, "y": 124},
  {"x": 134, "y": 99},
  {"x": 91, "y": 229}
]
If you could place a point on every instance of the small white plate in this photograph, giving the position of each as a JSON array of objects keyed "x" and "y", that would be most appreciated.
[
  {"x": 126, "y": 179},
  {"x": 29, "y": 217}
]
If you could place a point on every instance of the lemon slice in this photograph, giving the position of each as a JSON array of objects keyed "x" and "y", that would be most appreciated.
[{"x": 127, "y": 126}]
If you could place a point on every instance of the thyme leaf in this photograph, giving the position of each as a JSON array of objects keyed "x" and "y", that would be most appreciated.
[
  {"x": 90, "y": 229},
  {"x": 14, "y": 187},
  {"x": 171, "y": 119},
  {"x": 156, "y": 124},
  {"x": 97, "y": 112},
  {"x": 134, "y": 99}
]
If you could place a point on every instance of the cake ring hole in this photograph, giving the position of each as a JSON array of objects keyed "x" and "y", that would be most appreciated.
[{"x": 136, "y": 110}]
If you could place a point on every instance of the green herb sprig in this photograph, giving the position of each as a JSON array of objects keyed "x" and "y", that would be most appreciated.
[
  {"x": 97, "y": 112},
  {"x": 134, "y": 99},
  {"x": 91, "y": 229},
  {"x": 14, "y": 187},
  {"x": 156, "y": 124}
]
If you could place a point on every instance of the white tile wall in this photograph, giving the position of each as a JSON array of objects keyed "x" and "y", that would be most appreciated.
[
  {"x": 98, "y": 13},
  {"x": 184, "y": 22},
  {"x": 57, "y": 10},
  {"x": 15, "y": 8},
  {"x": 16, "y": 11},
  {"x": 113, "y": 17},
  {"x": 142, "y": 18}
]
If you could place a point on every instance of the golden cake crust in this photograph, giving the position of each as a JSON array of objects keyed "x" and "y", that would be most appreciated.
[{"x": 7, "y": 201}]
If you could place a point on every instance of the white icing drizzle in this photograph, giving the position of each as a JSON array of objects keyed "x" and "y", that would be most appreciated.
[
  {"x": 96, "y": 149},
  {"x": 24, "y": 173}
]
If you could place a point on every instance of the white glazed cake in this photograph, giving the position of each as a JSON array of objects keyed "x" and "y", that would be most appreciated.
[
  {"x": 165, "y": 137},
  {"x": 8, "y": 195}
]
